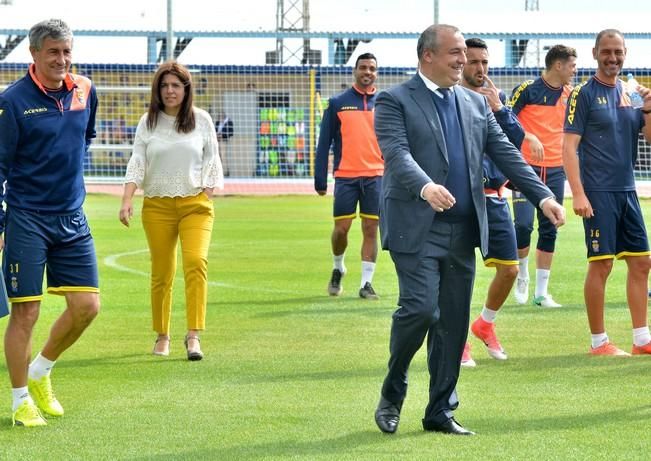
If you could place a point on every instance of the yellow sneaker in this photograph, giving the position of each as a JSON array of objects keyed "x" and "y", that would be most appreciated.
[
  {"x": 43, "y": 395},
  {"x": 28, "y": 415}
]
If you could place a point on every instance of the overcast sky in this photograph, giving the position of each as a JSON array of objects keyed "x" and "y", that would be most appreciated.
[{"x": 472, "y": 16}]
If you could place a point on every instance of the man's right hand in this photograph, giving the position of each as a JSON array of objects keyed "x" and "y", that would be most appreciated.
[
  {"x": 439, "y": 198},
  {"x": 492, "y": 94},
  {"x": 535, "y": 147},
  {"x": 581, "y": 206},
  {"x": 554, "y": 211}
]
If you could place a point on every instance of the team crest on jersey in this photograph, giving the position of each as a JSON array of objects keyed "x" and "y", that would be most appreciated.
[
  {"x": 80, "y": 95},
  {"x": 1, "y": 111},
  {"x": 14, "y": 284},
  {"x": 595, "y": 246}
]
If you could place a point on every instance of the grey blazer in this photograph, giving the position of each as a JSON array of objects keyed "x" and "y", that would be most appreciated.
[{"x": 409, "y": 134}]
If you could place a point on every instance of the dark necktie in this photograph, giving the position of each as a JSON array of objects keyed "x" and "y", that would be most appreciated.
[
  {"x": 458, "y": 180},
  {"x": 448, "y": 113}
]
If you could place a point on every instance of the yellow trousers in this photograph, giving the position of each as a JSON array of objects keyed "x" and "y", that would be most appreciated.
[{"x": 166, "y": 220}]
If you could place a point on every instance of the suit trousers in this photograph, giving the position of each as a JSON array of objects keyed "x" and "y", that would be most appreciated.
[
  {"x": 435, "y": 292},
  {"x": 166, "y": 220}
]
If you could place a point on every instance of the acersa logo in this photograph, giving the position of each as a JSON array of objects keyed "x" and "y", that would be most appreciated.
[
  {"x": 36, "y": 110},
  {"x": 572, "y": 103}
]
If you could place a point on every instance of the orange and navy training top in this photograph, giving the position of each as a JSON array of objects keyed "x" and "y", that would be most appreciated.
[
  {"x": 347, "y": 126},
  {"x": 541, "y": 110},
  {"x": 44, "y": 140}
]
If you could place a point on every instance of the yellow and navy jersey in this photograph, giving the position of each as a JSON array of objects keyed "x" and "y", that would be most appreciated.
[
  {"x": 347, "y": 126},
  {"x": 541, "y": 110},
  {"x": 609, "y": 127},
  {"x": 44, "y": 138}
]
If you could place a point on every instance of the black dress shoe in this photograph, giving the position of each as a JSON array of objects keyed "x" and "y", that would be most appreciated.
[
  {"x": 387, "y": 416},
  {"x": 451, "y": 426}
]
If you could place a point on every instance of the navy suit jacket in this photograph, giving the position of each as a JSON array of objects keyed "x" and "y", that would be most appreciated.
[{"x": 409, "y": 133}]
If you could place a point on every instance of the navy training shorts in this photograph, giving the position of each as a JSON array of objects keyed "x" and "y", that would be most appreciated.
[
  {"x": 351, "y": 191},
  {"x": 60, "y": 244}
]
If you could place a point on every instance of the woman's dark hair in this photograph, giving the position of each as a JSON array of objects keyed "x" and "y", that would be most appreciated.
[{"x": 185, "y": 122}]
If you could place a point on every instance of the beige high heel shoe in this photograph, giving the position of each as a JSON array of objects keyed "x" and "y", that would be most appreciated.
[
  {"x": 164, "y": 350},
  {"x": 194, "y": 354}
]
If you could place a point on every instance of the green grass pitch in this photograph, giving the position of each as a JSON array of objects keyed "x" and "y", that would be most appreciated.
[{"x": 291, "y": 373}]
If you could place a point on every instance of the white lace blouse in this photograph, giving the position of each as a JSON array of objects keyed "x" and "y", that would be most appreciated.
[{"x": 166, "y": 163}]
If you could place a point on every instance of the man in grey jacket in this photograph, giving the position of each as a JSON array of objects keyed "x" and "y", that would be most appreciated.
[{"x": 433, "y": 134}]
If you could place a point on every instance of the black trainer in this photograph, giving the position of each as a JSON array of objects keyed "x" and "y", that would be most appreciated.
[
  {"x": 367, "y": 292},
  {"x": 334, "y": 287}
]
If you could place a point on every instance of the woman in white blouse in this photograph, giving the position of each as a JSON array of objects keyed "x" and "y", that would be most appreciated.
[{"x": 175, "y": 162}]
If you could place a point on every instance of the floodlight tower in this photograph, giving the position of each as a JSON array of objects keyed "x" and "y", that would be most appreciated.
[
  {"x": 293, "y": 16},
  {"x": 532, "y": 5},
  {"x": 516, "y": 50}
]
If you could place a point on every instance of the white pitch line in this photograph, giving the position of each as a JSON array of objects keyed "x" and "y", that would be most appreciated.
[{"x": 112, "y": 262}]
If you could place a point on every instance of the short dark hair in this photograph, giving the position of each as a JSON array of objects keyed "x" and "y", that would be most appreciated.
[
  {"x": 609, "y": 33},
  {"x": 185, "y": 121},
  {"x": 558, "y": 53},
  {"x": 476, "y": 42},
  {"x": 428, "y": 40},
  {"x": 365, "y": 56}
]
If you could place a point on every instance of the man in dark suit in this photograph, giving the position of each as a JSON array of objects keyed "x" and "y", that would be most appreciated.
[{"x": 433, "y": 134}]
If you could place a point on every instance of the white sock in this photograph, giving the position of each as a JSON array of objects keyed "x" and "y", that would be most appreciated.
[
  {"x": 368, "y": 269},
  {"x": 338, "y": 261},
  {"x": 40, "y": 367},
  {"x": 523, "y": 268},
  {"x": 20, "y": 394},
  {"x": 641, "y": 336},
  {"x": 488, "y": 315},
  {"x": 599, "y": 339},
  {"x": 542, "y": 281}
]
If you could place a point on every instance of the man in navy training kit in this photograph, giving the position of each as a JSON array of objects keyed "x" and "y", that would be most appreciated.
[
  {"x": 599, "y": 153},
  {"x": 47, "y": 121},
  {"x": 502, "y": 246}
]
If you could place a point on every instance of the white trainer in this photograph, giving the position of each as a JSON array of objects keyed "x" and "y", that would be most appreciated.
[
  {"x": 546, "y": 301},
  {"x": 521, "y": 290}
]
